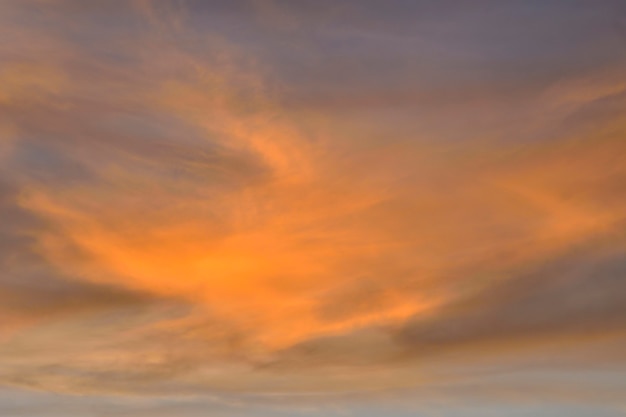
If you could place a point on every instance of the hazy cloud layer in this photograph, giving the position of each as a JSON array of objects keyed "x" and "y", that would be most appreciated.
[{"x": 264, "y": 202}]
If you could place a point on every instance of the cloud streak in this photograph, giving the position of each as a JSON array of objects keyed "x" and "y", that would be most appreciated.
[{"x": 192, "y": 204}]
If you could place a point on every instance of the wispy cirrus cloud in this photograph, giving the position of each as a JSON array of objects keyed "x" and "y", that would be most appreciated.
[{"x": 191, "y": 203}]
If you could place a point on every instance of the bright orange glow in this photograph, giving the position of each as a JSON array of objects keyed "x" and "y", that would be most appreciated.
[{"x": 260, "y": 201}]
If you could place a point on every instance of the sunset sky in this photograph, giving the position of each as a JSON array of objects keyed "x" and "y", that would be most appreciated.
[{"x": 312, "y": 208}]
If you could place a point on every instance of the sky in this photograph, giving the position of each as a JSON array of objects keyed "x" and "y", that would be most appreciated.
[{"x": 368, "y": 208}]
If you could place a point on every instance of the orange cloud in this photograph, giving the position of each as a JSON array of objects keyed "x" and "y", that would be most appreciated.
[{"x": 202, "y": 236}]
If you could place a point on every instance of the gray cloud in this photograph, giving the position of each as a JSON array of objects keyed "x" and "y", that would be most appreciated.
[{"x": 580, "y": 294}]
